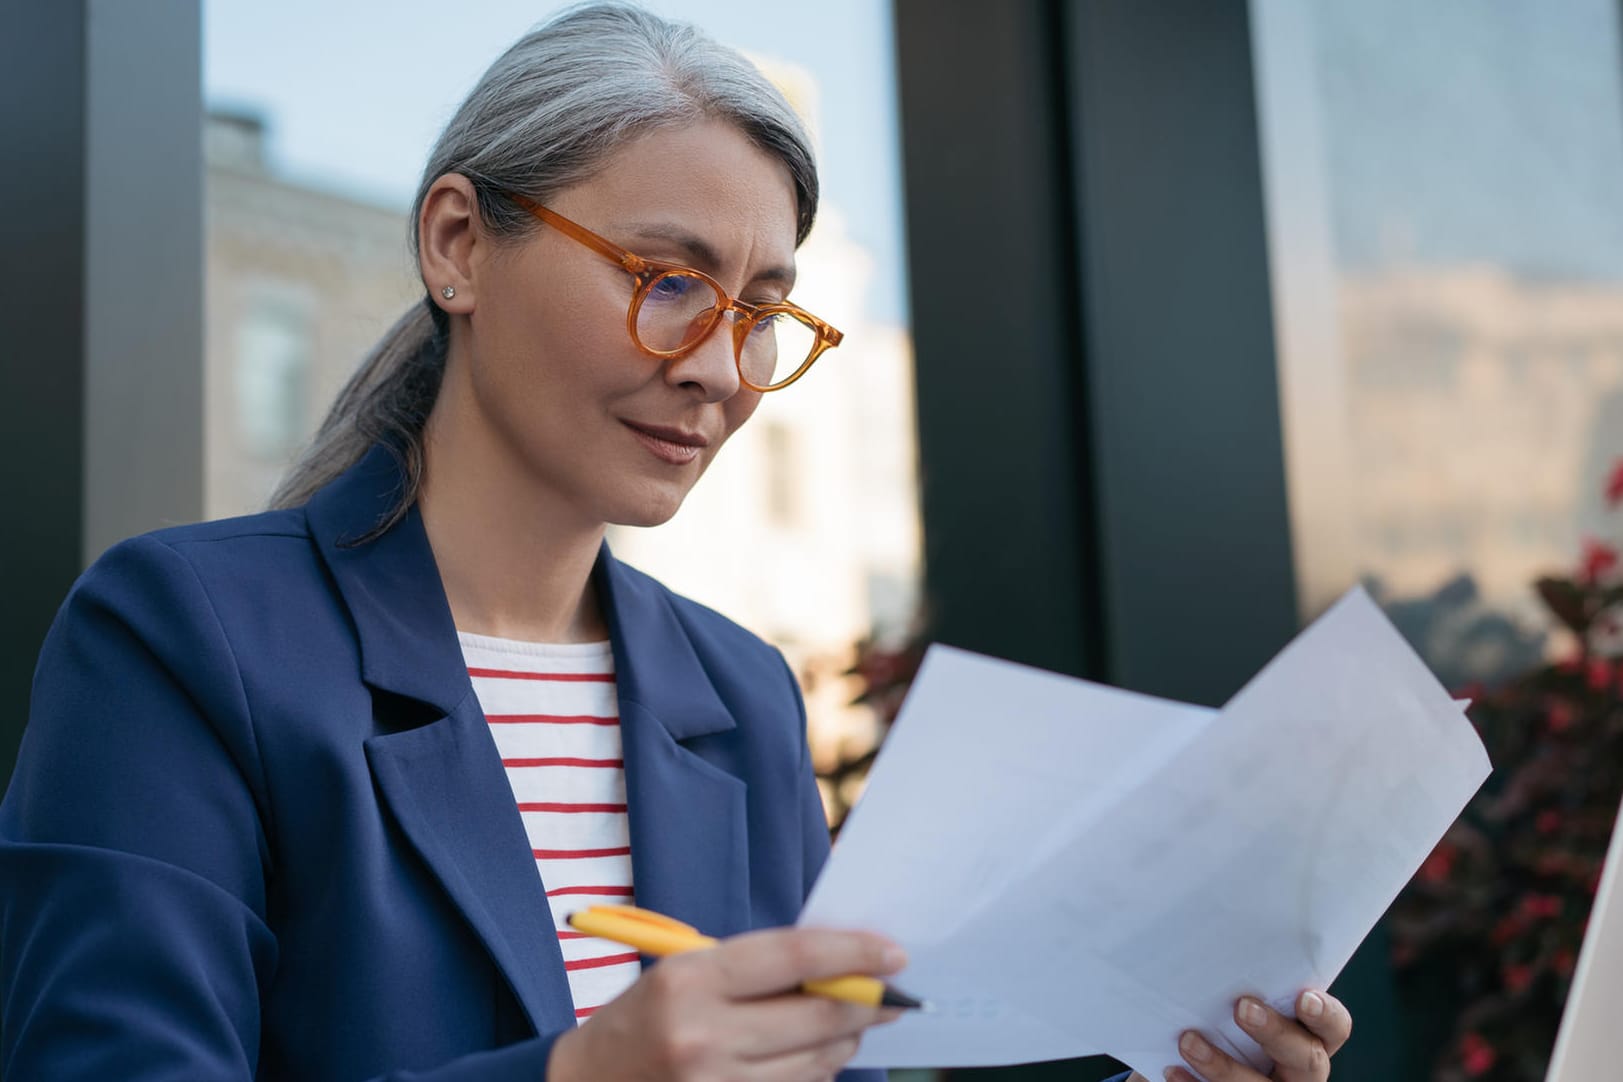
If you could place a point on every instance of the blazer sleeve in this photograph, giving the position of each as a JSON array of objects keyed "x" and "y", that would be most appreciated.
[
  {"x": 814, "y": 827},
  {"x": 135, "y": 847}
]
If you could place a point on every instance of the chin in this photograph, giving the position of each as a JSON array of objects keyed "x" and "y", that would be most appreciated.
[
  {"x": 652, "y": 519},
  {"x": 656, "y": 510}
]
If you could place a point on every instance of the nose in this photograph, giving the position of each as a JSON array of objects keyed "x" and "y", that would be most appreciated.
[{"x": 709, "y": 367}]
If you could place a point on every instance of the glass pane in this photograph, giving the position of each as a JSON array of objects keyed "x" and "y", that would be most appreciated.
[
  {"x": 1447, "y": 252},
  {"x": 1447, "y": 245}
]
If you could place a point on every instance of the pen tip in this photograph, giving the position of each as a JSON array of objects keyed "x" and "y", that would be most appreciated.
[{"x": 893, "y": 998}]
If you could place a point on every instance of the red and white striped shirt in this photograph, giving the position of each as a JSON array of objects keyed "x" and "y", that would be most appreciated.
[{"x": 555, "y": 716}]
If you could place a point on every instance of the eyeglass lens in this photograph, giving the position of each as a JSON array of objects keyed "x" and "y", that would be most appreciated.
[{"x": 678, "y": 309}]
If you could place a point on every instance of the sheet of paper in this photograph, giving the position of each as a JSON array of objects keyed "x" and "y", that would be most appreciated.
[
  {"x": 1586, "y": 1045},
  {"x": 1247, "y": 851}
]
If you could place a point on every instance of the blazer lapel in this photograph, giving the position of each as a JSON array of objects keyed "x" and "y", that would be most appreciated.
[
  {"x": 439, "y": 772},
  {"x": 689, "y": 824},
  {"x": 445, "y": 786}
]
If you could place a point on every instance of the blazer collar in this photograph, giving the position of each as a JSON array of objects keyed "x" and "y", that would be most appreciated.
[
  {"x": 408, "y": 643},
  {"x": 391, "y": 584}
]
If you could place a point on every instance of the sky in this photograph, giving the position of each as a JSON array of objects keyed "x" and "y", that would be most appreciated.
[{"x": 355, "y": 93}]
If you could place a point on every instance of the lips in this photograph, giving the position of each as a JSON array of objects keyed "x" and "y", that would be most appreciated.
[
  {"x": 671, "y": 435},
  {"x": 673, "y": 445}
]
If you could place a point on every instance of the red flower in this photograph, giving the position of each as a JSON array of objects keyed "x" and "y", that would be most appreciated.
[
  {"x": 1517, "y": 978},
  {"x": 1614, "y": 484},
  {"x": 1598, "y": 558},
  {"x": 1541, "y": 906},
  {"x": 1565, "y": 961},
  {"x": 1507, "y": 929},
  {"x": 1438, "y": 865},
  {"x": 1476, "y": 1055},
  {"x": 1600, "y": 673},
  {"x": 1548, "y": 821},
  {"x": 1559, "y": 715}
]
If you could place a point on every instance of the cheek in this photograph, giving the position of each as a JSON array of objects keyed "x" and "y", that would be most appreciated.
[{"x": 559, "y": 347}]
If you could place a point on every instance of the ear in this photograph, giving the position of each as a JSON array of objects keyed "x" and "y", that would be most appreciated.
[{"x": 448, "y": 232}]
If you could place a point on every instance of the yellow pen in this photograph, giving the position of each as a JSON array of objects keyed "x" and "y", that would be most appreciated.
[{"x": 659, "y": 935}]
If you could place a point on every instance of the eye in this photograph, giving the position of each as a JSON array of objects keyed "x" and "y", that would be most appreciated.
[
  {"x": 672, "y": 287},
  {"x": 767, "y": 322}
]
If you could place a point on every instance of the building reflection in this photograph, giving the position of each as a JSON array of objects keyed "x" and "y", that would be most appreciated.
[{"x": 1484, "y": 412}]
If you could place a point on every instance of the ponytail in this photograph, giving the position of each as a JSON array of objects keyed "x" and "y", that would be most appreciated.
[{"x": 386, "y": 401}]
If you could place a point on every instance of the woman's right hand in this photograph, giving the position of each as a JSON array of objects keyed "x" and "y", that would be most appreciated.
[{"x": 732, "y": 1012}]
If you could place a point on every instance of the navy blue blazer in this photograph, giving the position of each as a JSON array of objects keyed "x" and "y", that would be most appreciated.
[{"x": 259, "y": 828}]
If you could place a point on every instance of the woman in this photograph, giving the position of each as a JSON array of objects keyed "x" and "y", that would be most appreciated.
[{"x": 289, "y": 779}]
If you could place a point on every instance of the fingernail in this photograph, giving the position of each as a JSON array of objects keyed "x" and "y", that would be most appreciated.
[
  {"x": 1251, "y": 1012},
  {"x": 1311, "y": 1005},
  {"x": 1195, "y": 1048},
  {"x": 894, "y": 958},
  {"x": 1170, "y": 1074}
]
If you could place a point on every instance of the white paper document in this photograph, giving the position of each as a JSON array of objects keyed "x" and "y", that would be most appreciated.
[{"x": 1075, "y": 869}]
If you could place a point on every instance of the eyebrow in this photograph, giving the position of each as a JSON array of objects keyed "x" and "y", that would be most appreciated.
[{"x": 700, "y": 251}]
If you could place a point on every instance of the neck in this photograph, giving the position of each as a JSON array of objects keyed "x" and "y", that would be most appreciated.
[{"x": 515, "y": 561}]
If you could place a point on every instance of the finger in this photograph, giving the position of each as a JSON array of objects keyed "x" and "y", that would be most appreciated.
[
  {"x": 1326, "y": 1017},
  {"x": 777, "y": 960},
  {"x": 1212, "y": 1063},
  {"x": 1298, "y": 1054},
  {"x": 793, "y": 1023},
  {"x": 818, "y": 1062}
]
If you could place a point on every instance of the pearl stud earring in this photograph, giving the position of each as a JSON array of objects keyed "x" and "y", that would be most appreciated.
[{"x": 448, "y": 292}]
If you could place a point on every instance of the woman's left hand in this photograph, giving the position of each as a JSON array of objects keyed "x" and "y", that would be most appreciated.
[{"x": 1300, "y": 1048}]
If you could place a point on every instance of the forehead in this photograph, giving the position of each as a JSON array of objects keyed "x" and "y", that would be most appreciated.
[{"x": 708, "y": 179}]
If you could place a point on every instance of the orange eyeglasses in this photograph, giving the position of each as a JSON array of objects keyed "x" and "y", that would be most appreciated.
[{"x": 674, "y": 308}]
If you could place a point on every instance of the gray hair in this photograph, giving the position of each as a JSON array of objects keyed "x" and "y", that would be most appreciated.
[{"x": 546, "y": 116}]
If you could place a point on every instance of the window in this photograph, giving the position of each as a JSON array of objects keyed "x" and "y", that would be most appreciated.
[
  {"x": 1447, "y": 256},
  {"x": 272, "y": 375},
  {"x": 783, "y": 475}
]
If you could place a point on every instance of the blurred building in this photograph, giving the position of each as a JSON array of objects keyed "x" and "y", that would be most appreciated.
[
  {"x": 300, "y": 283},
  {"x": 806, "y": 530},
  {"x": 1484, "y": 411}
]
